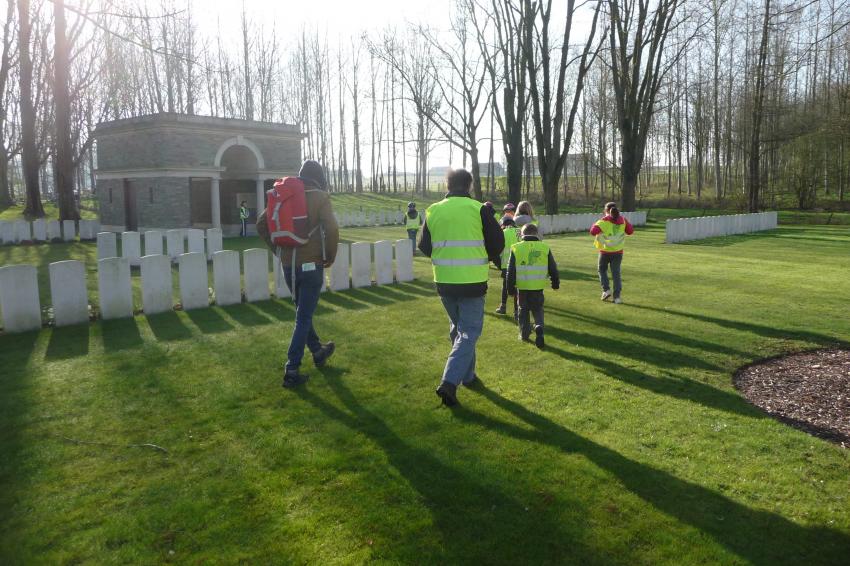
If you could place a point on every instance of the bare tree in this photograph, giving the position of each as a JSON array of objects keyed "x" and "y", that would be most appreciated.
[{"x": 29, "y": 151}]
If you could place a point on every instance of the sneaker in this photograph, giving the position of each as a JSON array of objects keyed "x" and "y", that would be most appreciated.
[
  {"x": 501, "y": 309},
  {"x": 606, "y": 295},
  {"x": 618, "y": 300},
  {"x": 538, "y": 339},
  {"x": 293, "y": 378},
  {"x": 448, "y": 393},
  {"x": 325, "y": 352}
]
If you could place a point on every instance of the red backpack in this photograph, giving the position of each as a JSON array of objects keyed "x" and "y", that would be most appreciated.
[{"x": 286, "y": 213}]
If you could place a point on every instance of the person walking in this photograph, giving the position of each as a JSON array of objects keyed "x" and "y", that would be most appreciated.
[
  {"x": 412, "y": 221},
  {"x": 511, "y": 233},
  {"x": 531, "y": 263},
  {"x": 461, "y": 237},
  {"x": 307, "y": 278},
  {"x": 610, "y": 238},
  {"x": 243, "y": 218}
]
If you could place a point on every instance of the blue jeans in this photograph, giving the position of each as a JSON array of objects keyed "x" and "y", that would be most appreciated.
[
  {"x": 412, "y": 235},
  {"x": 614, "y": 260},
  {"x": 467, "y": 322},
  {"x": 244, "y": 230},
  {"x": 308, "y": 287}
]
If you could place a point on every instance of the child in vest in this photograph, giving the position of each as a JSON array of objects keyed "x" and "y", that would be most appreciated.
[
  {"x": 412, "y": 221},
  {"x": 511, "y": 233},
  {"x": 530, "y": 264},
  {"x": 508, "y": 211},
  {"x": 610, "y": 233}
]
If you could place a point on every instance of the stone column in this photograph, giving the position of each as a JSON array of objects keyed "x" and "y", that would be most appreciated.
[
  {"x": 261, "y": 196},
  {"x": 215, "y": 202}
]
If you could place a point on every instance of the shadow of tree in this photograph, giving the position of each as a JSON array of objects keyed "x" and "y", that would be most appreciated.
[{"x": 728, "y": 522}]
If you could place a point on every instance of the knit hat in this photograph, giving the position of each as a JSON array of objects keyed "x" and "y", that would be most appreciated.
[
  {"x": 313, "y": 173},
  {"x": 510, "y": 206}
]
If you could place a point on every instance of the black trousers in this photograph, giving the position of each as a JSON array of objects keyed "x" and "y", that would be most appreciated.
[
  {"x": 530, "y": 304},
  {"x": 504, "y": 302}
]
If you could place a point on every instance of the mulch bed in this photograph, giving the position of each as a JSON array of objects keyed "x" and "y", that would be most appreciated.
[{"x": 810, "y": 391}]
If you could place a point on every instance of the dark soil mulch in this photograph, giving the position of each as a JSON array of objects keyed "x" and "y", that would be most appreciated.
[{"x": 809, "y": 391}]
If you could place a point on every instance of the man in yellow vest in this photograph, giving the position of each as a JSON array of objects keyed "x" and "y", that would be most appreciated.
[
  {"x": 531, "y": 263},
  {"x": 461, "y": 237},
  {"x": 610, "y": 238}
]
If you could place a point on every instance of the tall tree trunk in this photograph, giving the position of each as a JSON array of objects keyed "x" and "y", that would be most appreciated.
[
  {"x": 754, "y": 170},
  {"x": 29, "y": 151},
  {"x": 62, "y": 102}
]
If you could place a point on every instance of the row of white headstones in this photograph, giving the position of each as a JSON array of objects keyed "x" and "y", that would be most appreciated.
[
  {"x": 374, "y": 218},
  {"x": 41, "y": 230},
  {"x": 21, "y": 308},
  {"x": 701, "y": 227}
]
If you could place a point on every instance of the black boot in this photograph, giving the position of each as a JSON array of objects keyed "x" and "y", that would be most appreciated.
[
  {"x": 448, "y": 393},
  {"x": 538, "y": 340},
  {"x": 325, "y": 352},
  {"x": 293, "y": 378}
]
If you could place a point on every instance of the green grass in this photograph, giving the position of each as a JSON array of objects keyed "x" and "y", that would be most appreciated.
[
  {"x": 51, "y": 211},
  {"x": 623, "y": 443}
]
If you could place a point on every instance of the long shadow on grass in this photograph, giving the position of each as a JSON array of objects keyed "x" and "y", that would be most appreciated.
[
  {"x": 478, "y": 522},
  {"x": 120, "y": 334},
  {"x": 68, "y": 342},
  {"x": 761, "y": 330},
  {"x": 759, "y": 537},
  {"x": 209, "y": 320},
  {"x": 168, "y": 327},
  {"x": 677, "y": 388},
  {"x": 247, "y": 314},
  {"x": 653, "y": 333}
]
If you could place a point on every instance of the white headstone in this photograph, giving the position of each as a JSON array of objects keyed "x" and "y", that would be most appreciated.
[
  {"x": 361, "y": 264},
  {"x": 7, "y": 232},
  {"x": 19, "y": 298},
  {"x": 39, "y": 230},
  {"x": 174, "y": 242},
  {"x": 69, "y": 230},
  {"x": 131, "y": 247},
  {"x": 153, "y": 242},
  {"x": 54, "y": 231},
  {"x": 215, "y": 243},
  {"x": 281, "y": 291},
  {"x": 114, "y": 288},
  {"x": 196, "y": 240},
  {"x": 87, "y": 230},
  {"x": 226, "y": 280},
  {"x": 22, "y": 231},
  {"x": 156, "y": 282},
  {"x": 68, "y": 292},
  {"x": 384, "y": 262},
  {"x": 106, "y": 245},
  {"x": 339, "y": 270},
  {"x": 194, "y": 289},
  {"x": 382, "y": 217},
  {"x": 256, "y": 267},
  {"x": 403, "y": 260}
]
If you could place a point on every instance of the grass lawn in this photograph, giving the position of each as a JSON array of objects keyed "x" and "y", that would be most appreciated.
[
  {"x": 51, "y": 211},
  {"x": 623, "y": 443}
]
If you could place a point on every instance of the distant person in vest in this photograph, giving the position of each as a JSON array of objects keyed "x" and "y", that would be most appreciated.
[
  {"x": 611, "y": 232},
  {"x": 524, "y": 214},
  {"x": 243, "y": 218},
  {"x": 511, "y": 233},
  {"x": 461, "y": 237},
  {"x": 508, "y": 211},
  {"x": 412, "y": 221},
  {"x": 531, "y": 263},
  {"x": 309, "y": 276}
]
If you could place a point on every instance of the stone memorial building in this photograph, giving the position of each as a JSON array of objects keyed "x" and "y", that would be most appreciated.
[{"x": 166, "y": 171}]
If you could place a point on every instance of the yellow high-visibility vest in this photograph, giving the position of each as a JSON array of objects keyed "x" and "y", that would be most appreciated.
[
  {"x": 511, "y": 238},
  {"x": 458, "y": 254},
  {"x": 531, "y": 259},
  {"x": 411, "y": 223},
  {"x": 612, "y": 238}
]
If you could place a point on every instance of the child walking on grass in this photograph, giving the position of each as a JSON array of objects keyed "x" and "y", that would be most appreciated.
[
  {"x": 511, "y": 233},
  {"x": 610, "y": 233},
  {"x": 530, "y": 264}
]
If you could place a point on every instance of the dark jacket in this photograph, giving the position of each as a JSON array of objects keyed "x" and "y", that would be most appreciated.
[
  {"x": 494, "y": 243},
  {"x": 554, "y": 277}
]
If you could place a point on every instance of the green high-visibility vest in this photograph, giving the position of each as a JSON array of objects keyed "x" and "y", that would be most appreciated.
[
  {"x": 458, "y": 254},
  {"x": 243, "y": 213},
  {"x": 531, "y": 259},
  {"x": 412, "y": 223},
  {"x": 511, "y": 238},
  {"x": 612, "y": 238}
]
